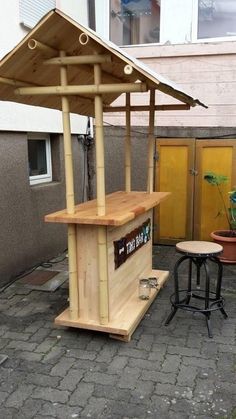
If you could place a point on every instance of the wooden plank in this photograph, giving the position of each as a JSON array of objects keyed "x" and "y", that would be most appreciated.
[
  {"x": 121, "y": 207},
  {"x": 129, "y": 318}
]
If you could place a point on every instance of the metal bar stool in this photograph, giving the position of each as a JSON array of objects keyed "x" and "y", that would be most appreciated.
[{"x": 198, "y": 253}]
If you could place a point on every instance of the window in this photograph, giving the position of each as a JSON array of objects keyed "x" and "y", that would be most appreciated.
[
  {"x": 216, "y": 19},
  {"x": 31, "y": 11},
  {"x": 39, "y": 156},
  {"x": 134, "y": 21}
]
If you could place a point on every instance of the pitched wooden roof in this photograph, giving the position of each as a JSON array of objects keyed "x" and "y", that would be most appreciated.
[{"x": 24, "y": 66}]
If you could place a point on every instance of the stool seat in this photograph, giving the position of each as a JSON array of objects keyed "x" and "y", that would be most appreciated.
[
  {"x": 198, "y": 254},
  {"x": 200, "y": 248}
]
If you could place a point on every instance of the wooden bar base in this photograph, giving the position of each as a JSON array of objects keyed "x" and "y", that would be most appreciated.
[{"x": 126, "y": 321}]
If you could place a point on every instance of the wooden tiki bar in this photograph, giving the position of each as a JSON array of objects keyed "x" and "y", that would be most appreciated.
[{"x": 65, "y": 66}]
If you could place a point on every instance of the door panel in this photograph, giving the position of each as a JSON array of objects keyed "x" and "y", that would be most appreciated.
[
  {"x": 173, "y": 219},
  {"x": 217, "y": 156}
]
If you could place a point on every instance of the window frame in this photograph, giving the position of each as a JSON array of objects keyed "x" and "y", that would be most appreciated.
[
  {"x": 47, "y": 177},
  {"x": 195, "y": 38}
]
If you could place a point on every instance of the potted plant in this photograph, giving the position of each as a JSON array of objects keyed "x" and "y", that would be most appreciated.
[{"x": 227, "y": 238}]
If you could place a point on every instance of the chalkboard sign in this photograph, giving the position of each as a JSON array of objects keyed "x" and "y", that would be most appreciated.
[{"x": 128, "y": 245}]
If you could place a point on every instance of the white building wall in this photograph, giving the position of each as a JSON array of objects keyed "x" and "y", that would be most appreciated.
[{"x": 15, "y": 117}]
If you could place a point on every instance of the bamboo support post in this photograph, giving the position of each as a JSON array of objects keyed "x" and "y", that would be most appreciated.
[
  {"x": 81, "y": 59},
  {"x": 88, "y": 89},
  {"x": 101, "y": 208},
  {"x": 70, "y": 203},
  {"x": 128, "y": 146},
  {"x": 151, "y": 142},
  {"x": 45, "y": 49}
]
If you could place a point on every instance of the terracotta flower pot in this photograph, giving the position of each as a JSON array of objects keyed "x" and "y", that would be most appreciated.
[{"x": 225, "y": 238}]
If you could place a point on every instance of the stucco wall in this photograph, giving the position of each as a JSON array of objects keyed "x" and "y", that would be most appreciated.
[{"x": 25, "y": 238}]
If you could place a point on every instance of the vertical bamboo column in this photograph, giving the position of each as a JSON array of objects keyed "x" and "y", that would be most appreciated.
[
  {"x": 151, "y": 142},
  {"x": 70, "y": 200},
  {"x": 101, "y": 208},
  {"x": 128, "y": 146}
]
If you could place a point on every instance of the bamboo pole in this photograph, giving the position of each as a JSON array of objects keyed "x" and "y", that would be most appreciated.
[
  {"x": 45, "y": 49},
  {"x": 88, "y": 89},
  {"x": 101, "y": 208},
  {"x": 70, "y": 203},
  {"x": 128, "y": 146},
  {"x": 81, "y": 59},
  {"x": 143, "y": 108},
  {"x": 151, "y": 142},
  {"x": 14, "y": 82},
  {"x": 83, "y": 38}
]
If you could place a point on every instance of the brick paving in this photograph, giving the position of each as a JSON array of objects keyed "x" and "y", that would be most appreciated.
[{"x": 164, "y": 372}]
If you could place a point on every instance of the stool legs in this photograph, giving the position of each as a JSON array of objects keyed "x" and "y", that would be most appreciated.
[
  {"x": 218, "y": 287},
  {"x": 212, "y": 300},
  {"x": 176, "y": 286}
]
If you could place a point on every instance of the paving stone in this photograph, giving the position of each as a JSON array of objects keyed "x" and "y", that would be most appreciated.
[
  {"x": 30, "y": 409},
  {"x": 17, "y": 336},
  {"x": 29, "y": 356},
  {"x": 62, "y": 367},
  {"x": 81, "y": 395},
  {"x": 199, "y": 362},
  {"x": 171, "y": 363},
  {"x": 144, "y": 364},
  {"x": 43, "y": 380},
  {"x": 23, "y": 346},
  {"x": 79, "y": 353},
  {"x": 60, "y": 411},
  {"x": 117, "y": 364},
  {"x": 111, "y": 392},
  {"x": 7, "y": 413},
  {"x": 187, "y": 375},
  {"x": 100, "y": 378},
  {"x": 50, "y": 394},
  {"x": 17, "y": 398},
  {"x": 95, "y": 408},
  {"x": 129, "y": 378},
  {"x": 45, "y": 346},
  {"x": 71, "y": 380},
  {"x": 125, "y": 410}
]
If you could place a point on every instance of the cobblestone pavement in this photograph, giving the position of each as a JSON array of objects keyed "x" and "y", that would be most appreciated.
[{"x": 164, "y": 372}]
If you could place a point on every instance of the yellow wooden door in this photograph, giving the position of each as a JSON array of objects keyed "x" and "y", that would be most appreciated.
[
  {"x": 174, "y": 173},
  {"x": 217, "y": 156}
]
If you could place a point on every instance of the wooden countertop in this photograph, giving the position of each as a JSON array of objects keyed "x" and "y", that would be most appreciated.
[{"x": 121, "y": 207}]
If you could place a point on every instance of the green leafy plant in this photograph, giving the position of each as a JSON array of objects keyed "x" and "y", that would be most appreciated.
[{"x": 230, "y": 211}]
